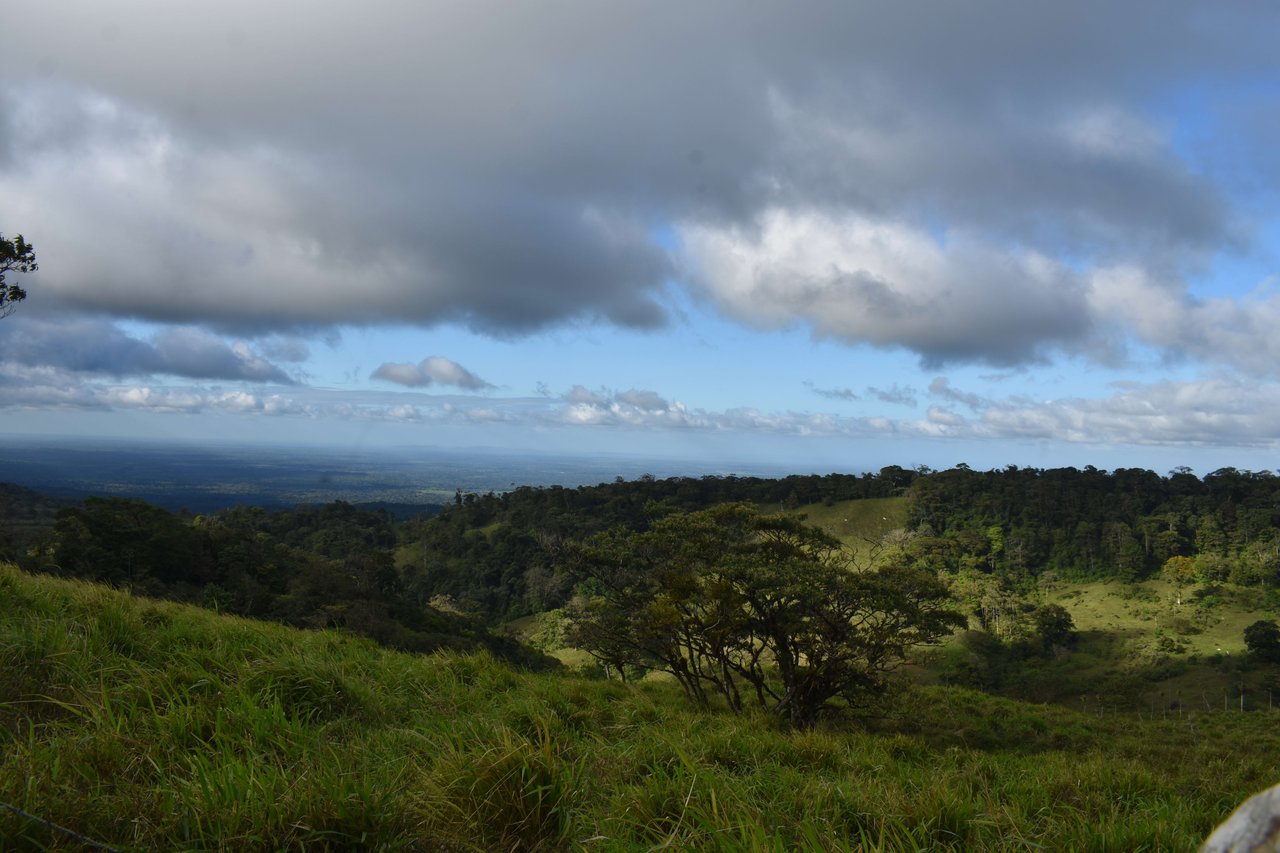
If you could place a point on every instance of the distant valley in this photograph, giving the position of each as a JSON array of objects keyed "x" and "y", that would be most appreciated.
[{"x": 207, "y": 478}]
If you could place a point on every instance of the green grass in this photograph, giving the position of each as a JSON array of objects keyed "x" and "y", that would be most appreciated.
[
  {"x": 859, "y": 524},
  {"x": 1142, "y": 609},
  {"x": 148, "y": 725},
  {"x": 1139, "y": 646}
]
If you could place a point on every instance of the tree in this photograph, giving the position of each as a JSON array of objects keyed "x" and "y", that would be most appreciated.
[
  {"x": 746, "y": 606},
  {"x": 1262, "y": 638},
  {"x": 1181, "y": 571},
  {"x": 16, "y": 255},
  {"x": 1055, "y": 626}
]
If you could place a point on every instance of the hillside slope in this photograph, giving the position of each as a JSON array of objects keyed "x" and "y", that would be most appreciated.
[{"x": 151, "y": 725}]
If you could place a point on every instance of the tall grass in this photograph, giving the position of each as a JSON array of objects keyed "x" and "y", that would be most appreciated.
[{"x": 148, "y": 725}]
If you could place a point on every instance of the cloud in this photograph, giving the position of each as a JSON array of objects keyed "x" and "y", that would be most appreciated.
[
  {"x": 94, "y": 346},
  {"x": 507, "y": 168},
  {"x": 1208, "y": 411},
  {"x": 580, "y": 395},
  {"x": 637, "y": 408},
  {"x": 1211, "y": 411},
  {"x": 941, "y": 387},
  {"x": 1239, "y": 333},
  {"x": 199, "y": 354},
  {"x": 860, "y": 280},
  {"x": 895, "y": 395},
  {"x": 944, "y": 417},
  {"x": 293, "y": 350},
  {"x": 648, "y": 401},
  {"x": 431, "y": 370},
  {"x": 846, "y": 394}
]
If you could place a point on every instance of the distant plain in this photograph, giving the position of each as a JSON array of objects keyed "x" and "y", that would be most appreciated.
[{"x": 206, "y": 478}]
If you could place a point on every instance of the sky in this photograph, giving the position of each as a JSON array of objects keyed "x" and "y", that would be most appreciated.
[{"x": 829, "y": 235}]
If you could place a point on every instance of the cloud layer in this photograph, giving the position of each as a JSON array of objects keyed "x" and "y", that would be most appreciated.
[
  {"x": 962, "y": 183},
  {"x": 1064, "y": 192},
  {"x": 94, "y": 346},
  {"x": 1219, "y": 412}
]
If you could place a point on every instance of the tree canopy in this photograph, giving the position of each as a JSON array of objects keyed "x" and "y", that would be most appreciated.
[
  {"x": 1262, "y": 638},
  {"x": 16, "y": 255},
  {"x": 752, "y": 607}
]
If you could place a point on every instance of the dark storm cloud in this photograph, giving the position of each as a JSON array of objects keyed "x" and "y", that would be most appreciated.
[
  {"x": 511, "y": 166},
  {"x": 90, "y": 346}
]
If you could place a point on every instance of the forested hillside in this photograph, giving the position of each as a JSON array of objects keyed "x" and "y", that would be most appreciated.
[
  {"x": 1002, "y": 540},
  {"x": 1124, "y": 524},
  {"x": 496, "y": 554},
  {"x": 324, "y": 566}
]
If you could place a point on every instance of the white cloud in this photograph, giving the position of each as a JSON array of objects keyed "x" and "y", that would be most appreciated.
[
  {"x": 648, "y": 401},
  {"x": 431, "y": 370},
  {"x": 1221, "y": 411},
  {"x": 141, "y": 397},
  {"x": 863, "y": 280},
  {"x": 1235, "y": 333},
  {"x": 580, "y": 395},
  {"x": 238, "y": 401}
]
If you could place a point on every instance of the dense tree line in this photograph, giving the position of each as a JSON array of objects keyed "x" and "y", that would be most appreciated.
[
  {"x": 496, "y": 554},
  {"x": 327, "y": 566},
  {"x": 1126, "y": 524},
  {"x": 25, "y": 519}
]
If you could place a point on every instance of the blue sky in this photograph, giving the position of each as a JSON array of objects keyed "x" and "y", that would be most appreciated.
[{"x": 836, "y": 236}]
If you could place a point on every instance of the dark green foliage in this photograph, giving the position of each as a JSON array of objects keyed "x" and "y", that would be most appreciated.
[
  {"x": 1125, "y": 524},
  {"x": 752, "y": 607},
  {"x": 1054, "y": 626},
  {"x": 496, "y": 554},
  {"x": 26, "y": 519},
  {"x": 130, "y": 542},
  {"x": 1262, "y": 638},
  {"x": 313, "y": 566},
  {"x": 16, "y": 255}
]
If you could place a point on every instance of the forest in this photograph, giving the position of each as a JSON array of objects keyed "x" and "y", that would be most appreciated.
[{"x": 997, "y": 539}]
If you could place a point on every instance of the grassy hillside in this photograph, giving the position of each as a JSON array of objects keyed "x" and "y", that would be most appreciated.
[
  {"x": 149, "y": 725},
  {"x": 859, "y": 524},
  {"x": 1207, "y": 622},
  {"x": 858, "y": 520},
  {"x": 1138, "y": 646}
]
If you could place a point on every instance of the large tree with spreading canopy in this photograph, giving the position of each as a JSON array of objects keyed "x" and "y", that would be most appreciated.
[{"x": 752, "y": 607}]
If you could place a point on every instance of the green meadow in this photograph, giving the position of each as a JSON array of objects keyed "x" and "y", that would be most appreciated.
[{"x": 145, "y": 725}]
